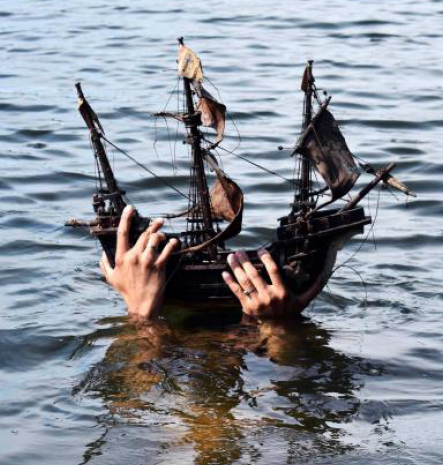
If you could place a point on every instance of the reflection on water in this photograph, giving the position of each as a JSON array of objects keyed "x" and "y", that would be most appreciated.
[{"x": 227, "y": 391}]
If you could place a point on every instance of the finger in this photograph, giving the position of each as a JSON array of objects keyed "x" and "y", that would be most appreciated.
[
  {"x": 143, "y": 240},
  {"x": 123, "y": 232},
  {"x": 105, "y": 266},
  {"x": 167, "y": 251},
  {"x": 239, "y": 273},
  {"x": 156, "y": 225},
  {"x": 235, "y": 288},
  {"x": 250, "y": 270},
  {"x": 150, "y": 254},
  {"x": 271, "y": 267}
]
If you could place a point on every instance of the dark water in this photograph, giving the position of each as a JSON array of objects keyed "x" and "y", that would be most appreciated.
[{"x": 360, "y": 381}]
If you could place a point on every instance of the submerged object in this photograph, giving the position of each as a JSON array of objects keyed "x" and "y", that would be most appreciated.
[{"x": 306, "y": 239}]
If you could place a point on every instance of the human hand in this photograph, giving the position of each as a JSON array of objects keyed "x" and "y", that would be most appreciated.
[
  {"x": 262, "y": 300},
  {"x": 139, "y": 274}
]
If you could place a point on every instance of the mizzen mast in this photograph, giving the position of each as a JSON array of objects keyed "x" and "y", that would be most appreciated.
[
  {"x": 303, "y": 195},
  {"x": 305, "y": 165}
]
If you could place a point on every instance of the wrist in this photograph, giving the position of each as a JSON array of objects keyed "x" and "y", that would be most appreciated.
[{"x": 144, "y": 310}]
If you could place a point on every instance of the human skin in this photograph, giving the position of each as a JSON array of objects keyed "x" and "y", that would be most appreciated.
[
  {"x": 139, "y": 276},
  {"x": 259, "y": 299}
]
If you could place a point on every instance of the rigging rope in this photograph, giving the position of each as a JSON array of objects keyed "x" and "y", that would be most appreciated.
[
  {"x": 364, "y": 240},
  {"x": 141, "y": 165},
  {"x": 257, "y": 165}
]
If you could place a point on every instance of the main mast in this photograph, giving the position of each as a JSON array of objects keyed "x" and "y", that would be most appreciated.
[{"x": 198, "y": 167}]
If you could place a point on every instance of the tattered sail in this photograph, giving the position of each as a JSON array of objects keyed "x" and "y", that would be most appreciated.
[
  {"x": 226, "y": 195},
  {"x": 226, "y": 204},
  {"x": 325, "y": 146},
  {"x": 189, "y": 64},
  {"x": 213, "y": 113}
]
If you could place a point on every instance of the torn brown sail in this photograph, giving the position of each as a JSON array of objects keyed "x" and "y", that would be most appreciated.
[
  {"x": 210, "y": 113},
  {"x": 213, "y": 113},
  {"x": 226, "y": 204},
  {"x": 324, "y": 145}
]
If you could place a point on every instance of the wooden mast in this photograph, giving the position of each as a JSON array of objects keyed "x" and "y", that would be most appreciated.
[
  {"x": 200, "y": 177},
  {"x": 115, "y": 193},
  {"x": 307, "y": 87}
]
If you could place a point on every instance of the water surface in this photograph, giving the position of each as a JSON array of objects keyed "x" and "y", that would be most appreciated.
[{"x": 358, "y": 381}]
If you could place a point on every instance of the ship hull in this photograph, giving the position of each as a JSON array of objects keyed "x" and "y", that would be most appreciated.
[{"x": 303, "y": 252}]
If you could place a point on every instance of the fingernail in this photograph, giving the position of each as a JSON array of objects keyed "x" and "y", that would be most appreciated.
[
  {"x": 128, "y": 209},
  {"x": 225, "y": 275},
  {"x": 262, "y": 252},
  {"x": 231, "y": 258},
  {"x": 174, "y": 241},
  {"x": 159, "y": 220}
]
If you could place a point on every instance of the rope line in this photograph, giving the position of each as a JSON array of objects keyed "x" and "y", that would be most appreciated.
[
  {"x": 258, "y": 166},
  {"x": 144, "y": 167}
]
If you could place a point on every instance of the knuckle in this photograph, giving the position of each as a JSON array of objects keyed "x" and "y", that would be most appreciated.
[
  {"x": 145, "y": 260},
  {"x": 131, "y": 258},
  {"x": 244, "y": 281}
]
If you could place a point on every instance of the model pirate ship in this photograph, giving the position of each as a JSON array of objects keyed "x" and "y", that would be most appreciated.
[{"x": 306, "y": 239}]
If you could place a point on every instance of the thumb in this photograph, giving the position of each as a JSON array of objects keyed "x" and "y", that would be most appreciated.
[{"x": 106, "y": 267}]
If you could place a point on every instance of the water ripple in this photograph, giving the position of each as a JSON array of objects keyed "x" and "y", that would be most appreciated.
[{"x": 343, "y": 387}]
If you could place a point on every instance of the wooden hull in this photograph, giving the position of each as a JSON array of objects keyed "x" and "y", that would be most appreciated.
[{"x": 302, "y": 251}]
